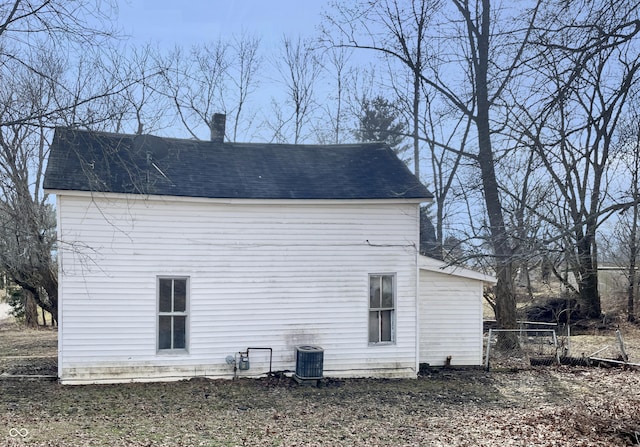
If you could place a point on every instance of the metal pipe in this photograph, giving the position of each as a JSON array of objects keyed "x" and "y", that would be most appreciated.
[{"x": 264, "y": 349}]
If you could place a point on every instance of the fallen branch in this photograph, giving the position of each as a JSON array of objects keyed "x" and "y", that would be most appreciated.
[
  {"x": 613, "y": 362},
  {"x": 598, "y": 351}
]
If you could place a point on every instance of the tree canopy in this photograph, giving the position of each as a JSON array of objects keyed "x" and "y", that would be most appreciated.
[{"x": 515, "y": 116}]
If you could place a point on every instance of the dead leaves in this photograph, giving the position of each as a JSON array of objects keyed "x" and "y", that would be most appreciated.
[{"x": 549, "y": 407}]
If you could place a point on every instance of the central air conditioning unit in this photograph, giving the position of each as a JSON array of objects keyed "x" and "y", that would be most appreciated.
[{"x": 309, "y": 362}]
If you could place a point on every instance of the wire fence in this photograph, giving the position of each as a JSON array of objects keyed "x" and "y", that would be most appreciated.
[
  {"x": 544, "y": 344},
  {"x": 521, "y": 348}
]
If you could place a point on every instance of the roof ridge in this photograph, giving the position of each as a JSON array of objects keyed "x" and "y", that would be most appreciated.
[
  {"x": 366, "y": 143},
  {"x": 231, "y": 143}
]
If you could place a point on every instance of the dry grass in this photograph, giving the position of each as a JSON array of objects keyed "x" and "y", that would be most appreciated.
[
  {"x": 606, "y": 343},
  {"x": 16, "y": 340},
  {"x": 27, "y": 351},
  {"x": 556, "y": 406}
]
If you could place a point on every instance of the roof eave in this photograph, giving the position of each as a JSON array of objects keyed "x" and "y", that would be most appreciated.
[
  {"x": 245, "y": 200},
  {"x": 437, "y": 266}
]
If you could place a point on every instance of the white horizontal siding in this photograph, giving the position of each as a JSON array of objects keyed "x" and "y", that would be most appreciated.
[
  {"x": 450, "y": 310},
  {"x": 260, "y": 275}
]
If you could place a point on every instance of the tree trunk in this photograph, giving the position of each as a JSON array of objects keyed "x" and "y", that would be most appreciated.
[
  {"x": 50, "y": 285},
  {"x": 48, "y": 301},
  {"x": 503, "y": 253},
  {"x": 588, "y": 280},
  {"x": 30, "y": 309},
  {"x": 633, "y": 254}
]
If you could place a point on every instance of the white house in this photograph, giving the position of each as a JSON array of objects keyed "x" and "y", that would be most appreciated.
[{"x": 181, "y": 258}]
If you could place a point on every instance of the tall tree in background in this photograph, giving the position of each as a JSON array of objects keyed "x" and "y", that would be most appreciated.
[
  {"x": 194, "y": 84},
  {"x": 242, "y": 74},
  {"x": 139, "y": 107},
  {"x": 381, "y": 121},
  {"x": 627, "y": 233},
  {"x": 586, "y": 65},
  {"x": 299, "y": 72},
  {"x": 397, "y": 31},
  {"x": 487, "y": 82},
  {"x": 339, "y": 73},
  {"x": 38, "y": 41},
  {"x": 185, "y": 88},
  {"x": 447, "y": 135},
  {"x": 27, "y": 221},
  {"x": 632, "y": 233}
]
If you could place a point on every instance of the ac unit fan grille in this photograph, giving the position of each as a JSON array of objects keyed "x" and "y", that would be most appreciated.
[{"x": 309, "y": 362}]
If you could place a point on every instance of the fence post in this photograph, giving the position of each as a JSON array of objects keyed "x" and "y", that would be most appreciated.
[
  {"x": 486, "y": 360},
  {"x": 555, "y": 344},
  {"x": 625, "y": 357}
]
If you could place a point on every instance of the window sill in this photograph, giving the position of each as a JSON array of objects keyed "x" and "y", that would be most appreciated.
[
  {"x": 382, "y": 343},
  {"x": 172, "y": 352}
]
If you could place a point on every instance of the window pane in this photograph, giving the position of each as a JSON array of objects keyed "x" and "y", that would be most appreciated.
[
  {"x": 374, "y": 292},
  {"x": 385, "y": 325},
  {"x": 387, "y": 291},
  {"x": 373, "y": 327},
  {"x": 179, "y": 332},
  {"x": 165, "y": 295},
  {"x": 179, "y": 295},
  {"x": 164, "y": 335}
]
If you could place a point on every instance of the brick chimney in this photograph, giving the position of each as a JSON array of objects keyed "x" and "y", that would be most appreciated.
[{"x": 217, "y": 127}]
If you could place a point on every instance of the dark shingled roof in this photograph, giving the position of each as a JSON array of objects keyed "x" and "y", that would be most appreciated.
[{"x": 107, "y": 162}]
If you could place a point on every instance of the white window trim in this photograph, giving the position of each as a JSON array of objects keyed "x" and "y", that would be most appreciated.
[
  {"x": 186, "y": 313},
  {"x": 394, "y": 309}
]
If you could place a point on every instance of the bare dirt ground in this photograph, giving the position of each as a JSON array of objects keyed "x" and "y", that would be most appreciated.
[{"x": 548, "y": 406}]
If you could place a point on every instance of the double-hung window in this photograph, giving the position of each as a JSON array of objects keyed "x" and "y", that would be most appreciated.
[
  {"x": 381, "y": 308},
  {"x": 172, "y": 314}
]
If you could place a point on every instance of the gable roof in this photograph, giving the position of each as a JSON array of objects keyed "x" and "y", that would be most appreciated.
[{"x": 106, "y": 162}]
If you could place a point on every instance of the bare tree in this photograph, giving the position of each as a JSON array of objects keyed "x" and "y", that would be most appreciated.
[
  {"x": 217, "y": 77},
  {"x": 590, "y": 64},
  {"x": 633, "y": 230},
  {"x": 57, "y": 21},
  {"x": 39, "y": 40},
  {"x": 339, "y": 75},
  {"x": 27, "y": 220},
  {"x": 299, "y": 71},
  {"x": 242, "y": 74},
  {"x": 631, "y": 238},
  {"x": 194, "y": 82},
  {"x": 493, "y": 55},
  {"x": 526, "y": 191},
  {"x": 139, "y": 106},
  {"x": 399, "y": 32},
  {"x": 395, "y": 30},
  {"x": 627, "y": 233},
  {"x": 447, "y": 136}
]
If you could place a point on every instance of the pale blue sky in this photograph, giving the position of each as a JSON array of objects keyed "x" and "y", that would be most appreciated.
[{"x": 170, "y": 22}]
